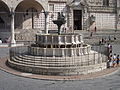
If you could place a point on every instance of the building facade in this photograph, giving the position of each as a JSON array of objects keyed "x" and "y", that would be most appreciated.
[{"x": 20, "y": 19}]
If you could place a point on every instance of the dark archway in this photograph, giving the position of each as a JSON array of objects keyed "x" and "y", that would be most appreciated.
[
  {"x": 4, "y": 17},
  {"x": 25, "y": 13},
  {"x": 77, "y": 14},
  {"x": 4, "y": 21}
]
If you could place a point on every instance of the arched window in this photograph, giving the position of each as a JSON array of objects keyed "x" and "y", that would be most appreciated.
[
  {"x": 105, "y": 2},
  {"x": 51, "y": 7}
]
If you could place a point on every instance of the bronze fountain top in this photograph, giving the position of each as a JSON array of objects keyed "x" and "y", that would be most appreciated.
[{"x": 60, "y": 21}]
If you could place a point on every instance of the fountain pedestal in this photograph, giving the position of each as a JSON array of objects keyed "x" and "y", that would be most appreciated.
[{"x": 60, "y": 21}]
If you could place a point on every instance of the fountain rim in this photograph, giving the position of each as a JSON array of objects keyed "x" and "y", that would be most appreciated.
[{"x": 55, "y": 34}]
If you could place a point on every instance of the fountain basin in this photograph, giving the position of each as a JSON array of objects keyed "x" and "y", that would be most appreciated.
[
  {"x": 52, "y": 54},
  {"x": 59, "y": 52},
  {"x": 63, "y": 39}
]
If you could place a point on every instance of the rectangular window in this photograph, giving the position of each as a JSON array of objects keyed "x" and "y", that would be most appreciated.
[
  {"x": 51, "y": 7},
  {"x": 105, "y": 2}
]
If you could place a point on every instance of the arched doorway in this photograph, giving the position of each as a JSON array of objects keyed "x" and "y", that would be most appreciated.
[
  {"x": 4, "y": 21},
  {"x": 26, "y": 13},
  {"x": 77, "y": 14}
]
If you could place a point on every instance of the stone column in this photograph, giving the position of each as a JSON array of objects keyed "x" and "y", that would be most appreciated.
[
  {"x": 88, "y": 20},
  {"x": 81, "y": 38},
  {"x": 63, "y": 54},
  {"x": 68, "y": 16},
  {"x": 12, "y": 41},
  {"x": 117, "y": 14},
  {"x": 72, "y": 52},
  {"x": 72, "y": 23},
  {"x": 46, "y": 22}
]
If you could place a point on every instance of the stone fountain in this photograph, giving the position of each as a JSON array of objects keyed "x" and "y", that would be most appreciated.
[{"x": 56, "y": 54}]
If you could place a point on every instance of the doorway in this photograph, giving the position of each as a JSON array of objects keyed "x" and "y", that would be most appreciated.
[
  {"x": 2, "y": 23},
  {"x": 77, "y": 17}
]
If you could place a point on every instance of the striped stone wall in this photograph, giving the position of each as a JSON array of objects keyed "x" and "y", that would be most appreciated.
[{"x": 105, "y": 20}]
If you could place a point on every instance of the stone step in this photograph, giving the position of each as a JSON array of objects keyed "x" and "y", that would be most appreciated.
[
  {"x": 40, "y": 64},
  {"x": 62, "y": 59},
  {"x": 61, "y": 70},
  {"x": 33, "y": 65},
  {"x": 52, "y": 64},
  {"x": 40, "y": 60}
]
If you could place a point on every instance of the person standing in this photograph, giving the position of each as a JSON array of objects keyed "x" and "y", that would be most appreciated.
[
  {"x": 118, "y": 60},
  {"x": 109, "y": 50},
  {"x": 0, "y": 41},
  {"x": 109, "y": 62},
  {"x": 91, "y": 34},
  {"x": 95, "y": 28},
  {"x": 114, "y": 37},
  {"x": 114, "y": 60},
  {"x": 109, "y": 38}
]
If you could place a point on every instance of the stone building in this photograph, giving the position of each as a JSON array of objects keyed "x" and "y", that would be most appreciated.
[{"x": 21, "y": 19}]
